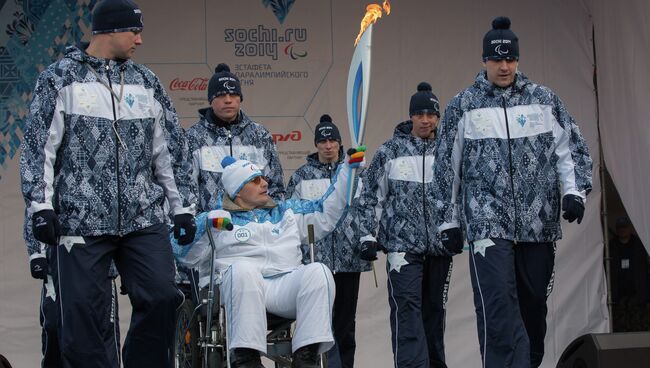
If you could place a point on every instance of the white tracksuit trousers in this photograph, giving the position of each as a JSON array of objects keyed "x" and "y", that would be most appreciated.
[{"x": 306, "y": 294}]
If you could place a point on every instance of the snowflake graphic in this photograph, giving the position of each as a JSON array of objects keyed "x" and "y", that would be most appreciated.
[
  {"x": 521, "y": 119},
  {"x": 280, "y": 8},
  {"x": 129, "y": 100}
]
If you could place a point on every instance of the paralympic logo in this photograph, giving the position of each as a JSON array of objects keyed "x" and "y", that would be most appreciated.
[
  {"x": 501, "y": 52},
  {"x": 228, "y": 86},
  {"x": 294, "y": 55}
]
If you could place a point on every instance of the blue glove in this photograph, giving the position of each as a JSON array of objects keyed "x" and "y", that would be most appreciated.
[
  {"x": 368, "y": 251},
  {"x": 38, "y": 268},
  {"x": 184, "y": 228},
  {"x": 452, "y": 240},
  {"x": 45, "y": 226},
  {"x": 573, "y": 207}
]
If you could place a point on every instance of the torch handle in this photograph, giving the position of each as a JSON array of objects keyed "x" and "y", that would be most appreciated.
[{"x": 310, "y": 239}]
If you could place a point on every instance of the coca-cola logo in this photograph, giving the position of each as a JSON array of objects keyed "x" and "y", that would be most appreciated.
[
  {"x": 293, "y": 136},
  {"x": 196, "y": 84}
]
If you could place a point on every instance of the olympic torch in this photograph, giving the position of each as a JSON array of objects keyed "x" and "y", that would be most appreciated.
[
  {"x": 359, "y": 87},
  {"x": 359, "y": 83}
]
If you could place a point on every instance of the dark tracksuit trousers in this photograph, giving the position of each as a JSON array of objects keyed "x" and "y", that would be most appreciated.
[
  {"x": 50, "y": 312},
  {"x": 344, "y": 320},
  {"x": 145, "y": 263},
  {"x": 417, "y": 293},
  {"x": 511, "y": 283}
]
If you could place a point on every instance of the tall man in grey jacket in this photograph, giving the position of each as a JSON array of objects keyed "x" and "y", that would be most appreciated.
[
  {"x": 397, "y": 215},
  {"x": 102, "y": 152},
  {"x": 509, "y": 158}
]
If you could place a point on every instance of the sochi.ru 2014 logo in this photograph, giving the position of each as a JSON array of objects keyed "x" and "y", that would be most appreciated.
[
  {"x": 263, "y": 41},
  {"x": 268, "y": 41}
]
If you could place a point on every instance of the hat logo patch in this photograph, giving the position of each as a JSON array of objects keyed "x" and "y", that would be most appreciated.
[
  {"x": 228, "y": 86},
  {"x": 501, "y": 52}
]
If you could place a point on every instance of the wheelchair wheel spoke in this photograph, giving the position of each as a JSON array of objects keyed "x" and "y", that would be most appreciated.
[{"x": 186, "y": 348}]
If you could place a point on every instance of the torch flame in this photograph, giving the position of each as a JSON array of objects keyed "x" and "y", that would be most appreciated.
[{"x": 373, "y": 12}]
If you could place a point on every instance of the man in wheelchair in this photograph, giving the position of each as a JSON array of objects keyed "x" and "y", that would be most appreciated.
[{"x": 259, "y": 262}]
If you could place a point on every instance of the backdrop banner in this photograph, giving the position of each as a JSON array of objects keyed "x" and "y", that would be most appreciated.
[
  {"x": 622, "y": 51},
  {"x": 293, "y": 59}
]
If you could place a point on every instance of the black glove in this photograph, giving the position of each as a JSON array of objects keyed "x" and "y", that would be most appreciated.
[
  {"x": 452, "y": 240},
  {"x": 45, "y": 226},
  {"x": 368, "y": 251},
  {"x": 184, "y": 222},
  {"x": 38, "y": 268},
  {"x": 573, "y": 207}
]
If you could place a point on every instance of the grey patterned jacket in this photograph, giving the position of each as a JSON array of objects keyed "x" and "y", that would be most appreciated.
[
  {"x": 101, "y": 176},
  {"x": 209, "y": 142},
  {"x": 339, "y": 250},
  {"x": 396, "y": 204},
  {"x": 493, "y": 139}
]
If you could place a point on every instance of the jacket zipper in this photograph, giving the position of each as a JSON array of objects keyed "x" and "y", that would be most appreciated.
[
  {"x": 329, "y": 173},
  {"x": 230, "y": 142},
  {"x": 117, "y": 152},
  {"x": 424, "y": 194},
  {"x": 510, "y": 168},
  {"x": 229, "y": 127}
]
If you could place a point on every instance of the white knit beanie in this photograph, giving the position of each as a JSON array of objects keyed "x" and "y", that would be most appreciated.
[{"x": 236, "y": 173}]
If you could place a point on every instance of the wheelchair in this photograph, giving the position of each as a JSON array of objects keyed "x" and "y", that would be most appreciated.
[{"x": 200, "y": 337}]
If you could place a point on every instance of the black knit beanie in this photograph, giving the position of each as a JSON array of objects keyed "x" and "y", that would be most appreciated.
[
  {"x": 424, "y": 101},
  {"x": 113, "y": 16},
  {"x": 326, "y": 130},
  {"x": 223, "y": 82},
  {"x": 500, "y": 42}
]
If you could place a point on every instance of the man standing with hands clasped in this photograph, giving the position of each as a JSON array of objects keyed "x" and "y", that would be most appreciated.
[
  {"x": 509, "y": 158},
  {"x": 102, "y": 152}
]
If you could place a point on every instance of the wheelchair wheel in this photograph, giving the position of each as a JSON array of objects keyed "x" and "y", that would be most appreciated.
[{"x": 187, "y": 353}]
